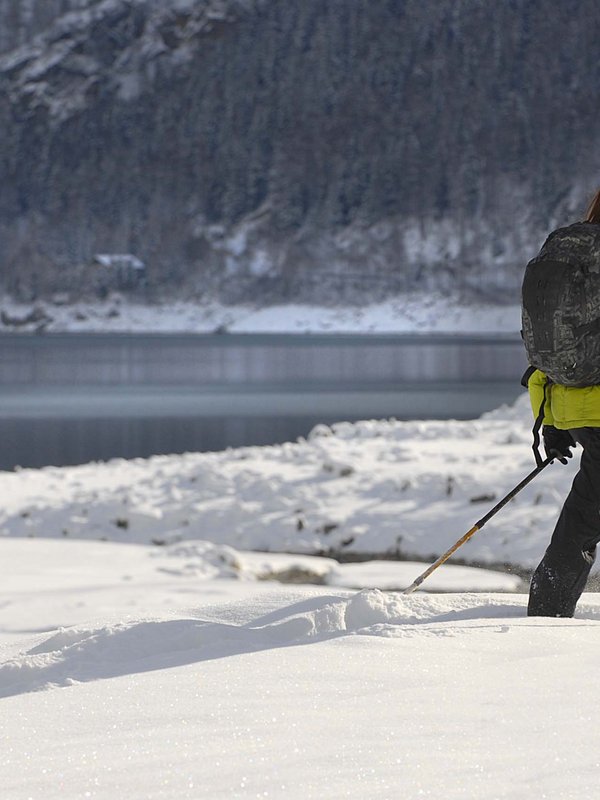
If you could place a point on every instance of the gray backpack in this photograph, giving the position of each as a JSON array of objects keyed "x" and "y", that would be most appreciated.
[{"x": 561, "y": 306}]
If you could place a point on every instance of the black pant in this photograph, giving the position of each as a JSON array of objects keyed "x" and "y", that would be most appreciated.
[{"x": 560, "y": 578}]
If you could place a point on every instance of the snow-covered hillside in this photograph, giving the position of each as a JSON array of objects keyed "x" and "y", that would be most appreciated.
[
  {"x": 306, "y": 161},
  {"x": 188, "y": 671}
]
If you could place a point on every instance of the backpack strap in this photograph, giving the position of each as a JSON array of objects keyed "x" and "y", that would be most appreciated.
[
  {"x": 527, "y": 374},
  {"x": 538, "y": 424}
]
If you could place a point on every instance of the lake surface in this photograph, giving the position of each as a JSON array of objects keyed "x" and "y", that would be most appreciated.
[{"x": 72, "y": 398}]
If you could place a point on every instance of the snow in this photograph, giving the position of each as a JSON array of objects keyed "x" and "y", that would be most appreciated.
[
  {"x": 119, "y": 260},
  {"x": 78, "y": 582},
  {"x": 371, "y": 488},
  {"x": 431, "y": 244},
  {"x": 404, "y": 314},
  {"x": 195, "y": 669},
  {"x": 304, "y": 693}
]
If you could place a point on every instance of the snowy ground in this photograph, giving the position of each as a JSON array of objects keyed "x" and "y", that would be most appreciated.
[
  {"x": 374, "y": 487},
  {"x": 130, "y": 670},
  {"x": 404, "y": 314},
  {"x": 293, "y": 693}
]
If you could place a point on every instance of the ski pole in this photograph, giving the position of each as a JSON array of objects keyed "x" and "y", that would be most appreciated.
[{"x": 478, "y": 525}]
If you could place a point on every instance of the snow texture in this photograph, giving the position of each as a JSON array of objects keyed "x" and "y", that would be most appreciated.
[
  {"x": 392, "y": 488},
  {"x": 83, "y": 653},
  {"x": 412, "y": 313},
  {"x": 258, "y": 691},
  {"x": 186, "y": 671}
]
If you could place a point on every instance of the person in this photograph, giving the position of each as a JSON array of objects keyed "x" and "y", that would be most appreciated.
[{"x": 571, "y": 416}]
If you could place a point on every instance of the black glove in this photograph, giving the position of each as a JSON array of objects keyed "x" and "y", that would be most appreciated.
[{"x": 557, "y": 443}]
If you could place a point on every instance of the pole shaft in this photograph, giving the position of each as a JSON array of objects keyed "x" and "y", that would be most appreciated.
[
  {"x": 513, "y": 492},
  {"x": 478, "y": 526}
]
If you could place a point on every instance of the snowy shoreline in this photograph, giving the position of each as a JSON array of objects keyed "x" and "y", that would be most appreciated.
[
  {"x": 395, "y": 489},
  {"x": 432, "y": 313}
]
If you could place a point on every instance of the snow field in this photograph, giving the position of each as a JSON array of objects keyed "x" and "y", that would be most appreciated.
[
  {"x": 308, "y": 694},
  {"x": 185, "y": 671},
  {"x": 51, "y": 584},
  {"x": 374, "y": 487},
  {"x": 83, "y": 653}
]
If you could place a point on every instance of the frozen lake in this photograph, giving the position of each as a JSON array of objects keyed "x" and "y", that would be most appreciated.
[{"x": 71, "y": 398}]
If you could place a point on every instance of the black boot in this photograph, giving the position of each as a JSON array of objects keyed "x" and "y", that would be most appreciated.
[{"x": 557, "y": 584}]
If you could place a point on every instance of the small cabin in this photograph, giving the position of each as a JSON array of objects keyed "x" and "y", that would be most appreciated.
[{"x": 121, "y": 271}]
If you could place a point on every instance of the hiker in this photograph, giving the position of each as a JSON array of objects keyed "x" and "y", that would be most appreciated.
[{"x": 565, "y": 397}]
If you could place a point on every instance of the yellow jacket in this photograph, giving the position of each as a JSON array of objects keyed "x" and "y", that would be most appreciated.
[{"x": 566, "y": 406}]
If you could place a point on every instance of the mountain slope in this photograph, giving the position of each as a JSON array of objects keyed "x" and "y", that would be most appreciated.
[{"x": 322, "y": 150}]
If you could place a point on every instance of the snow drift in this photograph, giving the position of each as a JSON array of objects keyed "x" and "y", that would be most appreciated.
[
  {"x": 79, "y": 654},
  {"x": 400, "y": 489}
]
